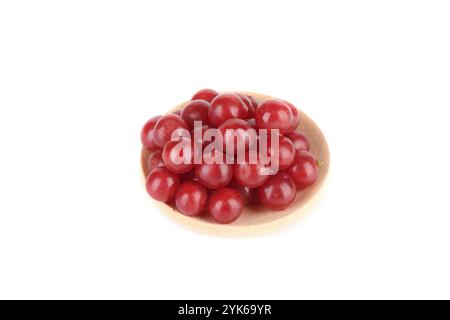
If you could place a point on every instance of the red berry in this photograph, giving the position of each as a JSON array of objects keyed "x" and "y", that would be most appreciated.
[
  {"x": 305, "y": 170},
  {"x": 237, "y": 133},
  {"x": 225, "y": 205},
  {"x": 226, "y": 106},
  {"x": 247, "y": 104},
  {"x": 248, "y": 194},
  {"x": 250, "y": 173},
  {"x": 178, "y": 113},
  {"x": 191, "y": 198},
  {"x": 195, "y": 110},
  {"x": 278, "y": 192},
  {"x": 155, "y": 161},
  {"x": 300, "y": 141},
  {"x": 253, "y": 101},
  {"x": 147, "y": 134},
  {"x": 178, "y": 155},
  {"x": 205, "y": 94},
  {"x": 285, "y": 154},
  {"x": 295, "y": 118},
  {"x": 162, "y": 184},
  {"x": 273, "y": 114},
  {"x": 214, "y": 174},
  {"x": 165, "y": 127}
]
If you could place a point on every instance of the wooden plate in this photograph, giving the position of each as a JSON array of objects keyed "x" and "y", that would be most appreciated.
[{"x": 259, "y": 219}]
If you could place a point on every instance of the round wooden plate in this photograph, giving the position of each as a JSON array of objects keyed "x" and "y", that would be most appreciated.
[{"x": 258, "y": 219}]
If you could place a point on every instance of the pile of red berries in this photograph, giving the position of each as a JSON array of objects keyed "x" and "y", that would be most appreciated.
[{"x": 220, "y": 188}]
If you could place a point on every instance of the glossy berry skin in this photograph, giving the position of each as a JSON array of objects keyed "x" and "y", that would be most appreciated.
[
  {"x": 147, "y": 134},
  {"x": 247, "y": 104},
  {"x": 191, "y": 198},
  {"x": 295, "y": 118},
  {"x": 195, "y": 110},
  {"x": 273, "y": 114},
  {"x": 214, "y": 175},
  {"x": 237, "y": 135},
  {"x": 162, "y": 184},
  {"x": 285, "y": 152},
  {"x": 225, "y": 205},
  {"x": 155, "y": 161},
  {"x": 205, "y": 94},
  {"x": 300, "y": 141},
  {"x": 305, "y": 170},
  {"x": 178, "y": 155},
  {"x": 278, "y": 192},
  {"x": 249, "y": 174},
  {"x": 253, "y": 102},
  {"x": 226, "y": 106},
  {"x": 248, "y": 194},
  {"x": 166, "y": 125}
]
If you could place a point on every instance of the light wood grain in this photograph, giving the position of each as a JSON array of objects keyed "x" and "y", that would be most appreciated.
[{"x": 259, "y": 219}]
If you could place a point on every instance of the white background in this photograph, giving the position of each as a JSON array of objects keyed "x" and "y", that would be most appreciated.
[{"x": 79, "y": 78}]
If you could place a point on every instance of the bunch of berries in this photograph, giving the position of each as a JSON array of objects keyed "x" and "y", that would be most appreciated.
[{"x": 224, "y": 151}]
